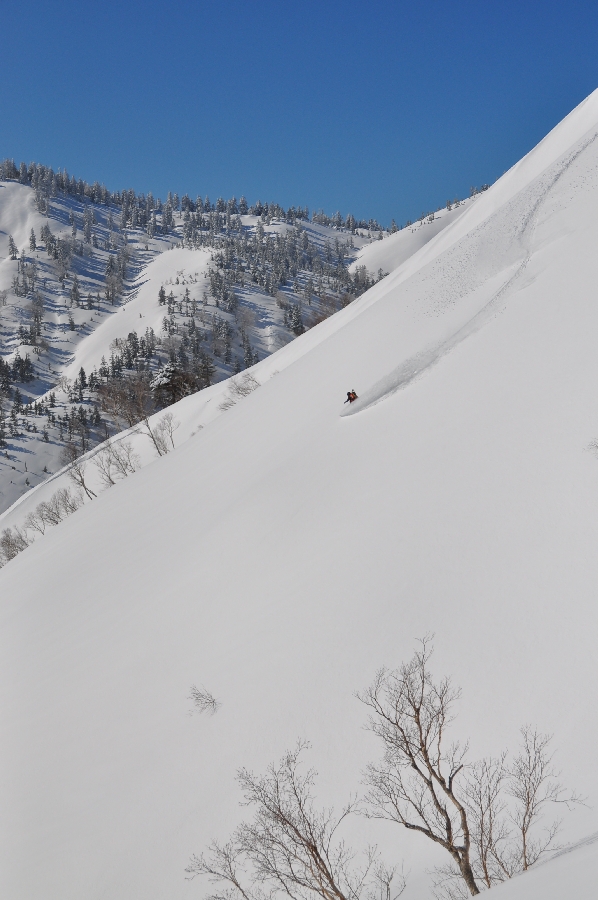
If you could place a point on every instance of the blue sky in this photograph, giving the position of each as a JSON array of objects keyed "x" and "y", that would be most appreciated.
[{"x": 382, "y": 109}]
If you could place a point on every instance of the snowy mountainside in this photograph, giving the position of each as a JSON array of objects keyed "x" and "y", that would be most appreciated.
[
  {"x": 284, "y": 552},
  {"x": 81, "y": 291},
  {"x": 42, "y": 324},
  {"x": 391, "y": 252},
  {"x": 190, "y": 415}
]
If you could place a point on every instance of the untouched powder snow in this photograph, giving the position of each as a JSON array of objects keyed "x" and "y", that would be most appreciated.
[
  {"x": 391, "y": 252},
  {"x": 286, "y": 550},
  {"x": 571, "y": 873},
  {"x": 17, "y": 217}
]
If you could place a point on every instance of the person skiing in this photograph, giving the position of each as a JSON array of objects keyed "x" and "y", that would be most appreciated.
[{"x": 351, "y": 396}]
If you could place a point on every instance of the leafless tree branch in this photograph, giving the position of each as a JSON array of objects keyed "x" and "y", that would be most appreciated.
[
  {"x": 203, "y": 700},
  {"x": 291, "y": 847}
]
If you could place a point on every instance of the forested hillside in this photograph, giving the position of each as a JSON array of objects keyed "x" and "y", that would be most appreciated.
[
  {"x": 73, "y": 254},
  {"x": 101, "y": 327}
]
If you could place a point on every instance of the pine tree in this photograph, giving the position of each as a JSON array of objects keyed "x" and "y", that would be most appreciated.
[
  {"x": 12, "y": 247},
  {"x": 32, "y": 241},
  {"x": 248, "y": 357},
  {"x": 75, "y": 292}
]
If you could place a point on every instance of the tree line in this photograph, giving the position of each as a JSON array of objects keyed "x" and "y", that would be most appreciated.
[{"x": 138, "y": 209}]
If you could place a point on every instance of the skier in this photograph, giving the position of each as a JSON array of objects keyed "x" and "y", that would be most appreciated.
[{"x": 351, "y": 396}]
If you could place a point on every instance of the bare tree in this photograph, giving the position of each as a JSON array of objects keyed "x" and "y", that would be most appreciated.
[
  {"x": 50, "y": 512},
  {"x": 165, "y": 430},
  {"x": 533, "y": 784},
  {"x": 484, "y": 813},
  {"x": 60, "y": 505},
  {"x": 484, "y": 789},
  {"x": 71, "y": 457},
  {"x": 414, "y": 784},
  {"x": 290, "y": 847},
  {"x": 121, "y": 403},
  {"x": 36, "y": 522},
  {"x": 115, "y": 460},
  {"x": 12, "y": 542},
  {"x": 64, "y": 384},
  {"x": 130, "y": 401}
]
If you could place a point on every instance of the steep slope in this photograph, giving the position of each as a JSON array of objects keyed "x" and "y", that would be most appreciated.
[
  {"x": 17, "y": 217},
  {"x": 395, "y": 249},
  {"x": 41, "y": 323},
  {"x": 286, "y": 551},
  {"x": 573, "y": 872},
  {"x": 84, "y": 293}
]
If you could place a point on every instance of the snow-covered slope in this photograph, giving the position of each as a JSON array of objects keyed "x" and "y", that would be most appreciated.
[
  {"x": 79, "y": 247},
  {"x": 571, "y": 873},
  {"x": 285, "y": 551},
  {"x": 392, "y": 251},
  {"x": 17, "y": 217}
]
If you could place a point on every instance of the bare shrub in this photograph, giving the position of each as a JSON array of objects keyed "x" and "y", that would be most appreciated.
[
  {"x": 203, "y": 700},
  {"x": 290, "y": 847},
  {"x": 12, "y": 542},
  {"x": 239, "y": 387},
  {"x": 47, "y": 513}
]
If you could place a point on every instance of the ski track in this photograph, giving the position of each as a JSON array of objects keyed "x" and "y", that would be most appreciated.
[{"x": 417, "y": 365}]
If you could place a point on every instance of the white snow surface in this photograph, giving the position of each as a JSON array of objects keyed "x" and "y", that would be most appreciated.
[
  {"x": 287, "y": 549},
  {"x": 570, "y": 873},
  {"x": 394, "y": 249},
  {"x": 17, "y": 217}
]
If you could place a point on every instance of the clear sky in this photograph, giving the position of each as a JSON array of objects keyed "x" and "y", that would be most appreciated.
[{"x": 382, "y": 109}]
